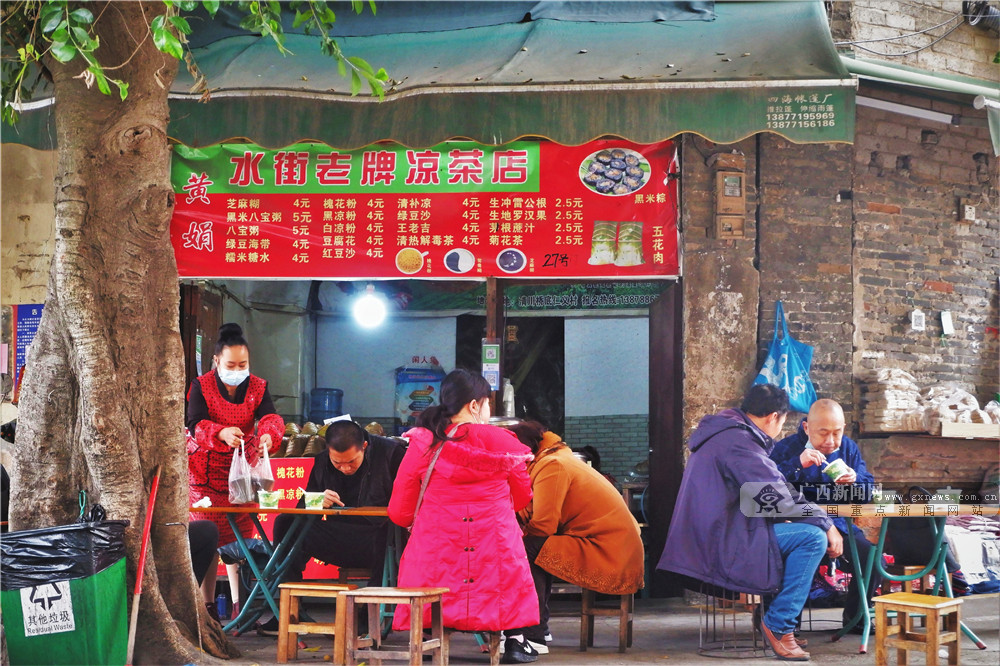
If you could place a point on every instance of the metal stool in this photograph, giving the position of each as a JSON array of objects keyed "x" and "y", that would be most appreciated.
[
  {"x": 289, "y": 626},
  {"x": 906, "y": 605},
  {"x": 726, "y": 628},
  {"x": 417, "y": 598},
  {"x": 622, "y": 610}
]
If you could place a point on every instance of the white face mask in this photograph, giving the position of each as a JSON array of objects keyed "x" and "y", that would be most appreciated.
[{"x": 233, "y": 377}]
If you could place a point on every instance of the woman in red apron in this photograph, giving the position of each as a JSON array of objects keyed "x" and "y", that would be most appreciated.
[{"x": 223, "y": 406}]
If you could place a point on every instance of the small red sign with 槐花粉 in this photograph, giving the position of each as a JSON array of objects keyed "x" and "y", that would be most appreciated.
[{"x": 605, "y": 209}]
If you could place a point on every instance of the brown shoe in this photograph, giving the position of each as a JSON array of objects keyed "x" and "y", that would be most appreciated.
[
  {"x": 785, "y": 648},
  {"x": 801, "y": 642}
]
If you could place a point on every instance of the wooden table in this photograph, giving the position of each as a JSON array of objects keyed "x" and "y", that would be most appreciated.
[
  {"x": 280, "y": 555},
  {"x": 938, "y": 514}
]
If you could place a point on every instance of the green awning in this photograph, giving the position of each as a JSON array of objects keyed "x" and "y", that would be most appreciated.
[{"x": 758, "y": 67}]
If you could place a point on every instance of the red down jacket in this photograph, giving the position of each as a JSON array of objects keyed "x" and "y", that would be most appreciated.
[{"x": 465, "y": 536}]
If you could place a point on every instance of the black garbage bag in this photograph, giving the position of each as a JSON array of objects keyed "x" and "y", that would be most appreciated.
[
  {"x": 63, "y": 594},
  {"x": 32, "y": 557}
]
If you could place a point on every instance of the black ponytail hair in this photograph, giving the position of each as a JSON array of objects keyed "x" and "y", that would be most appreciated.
[
  {"x": 230, "y": 335},
  {"x": 529, "y": 432},
  {"x": 458, "y": 388}
]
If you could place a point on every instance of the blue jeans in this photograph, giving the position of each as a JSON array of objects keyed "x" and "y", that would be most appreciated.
[{"x": 802, "y": 547}]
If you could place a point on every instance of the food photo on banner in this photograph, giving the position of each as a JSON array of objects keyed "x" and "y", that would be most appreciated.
[{"x": 456, "y": 210}]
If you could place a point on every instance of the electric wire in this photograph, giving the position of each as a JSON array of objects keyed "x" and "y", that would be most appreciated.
[
  {"x": 857, "y": 44},
  {"x": 909, "y": 34}
]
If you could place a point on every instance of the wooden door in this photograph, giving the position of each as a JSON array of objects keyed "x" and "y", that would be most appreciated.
[{"x": 666, "y": 427}]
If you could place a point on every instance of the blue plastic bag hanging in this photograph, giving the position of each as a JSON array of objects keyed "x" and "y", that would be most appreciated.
[{"x": 787, "y": 365}]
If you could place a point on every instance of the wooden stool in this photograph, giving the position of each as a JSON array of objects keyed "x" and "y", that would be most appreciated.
[
  {"x": 417, "y": 598},
  {"x": 933, "y": 608},
  {"x": 345, "y": 574},
  {"x": 289, "y": 626},
  {"x": 908, "y": 570},
  {"x": 590, "y": 608}
]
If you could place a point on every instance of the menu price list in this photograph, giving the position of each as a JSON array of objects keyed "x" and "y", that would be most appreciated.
[{"x": 432, "y": 235}]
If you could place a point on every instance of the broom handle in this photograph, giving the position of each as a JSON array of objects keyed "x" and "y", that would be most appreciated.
[{"x": 142, "y": 565}]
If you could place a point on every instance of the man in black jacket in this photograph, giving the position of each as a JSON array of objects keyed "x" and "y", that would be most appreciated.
[{"x": 357, "y": 469}]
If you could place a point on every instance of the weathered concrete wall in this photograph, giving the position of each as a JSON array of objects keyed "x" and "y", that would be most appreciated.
[
  {"x": 912, "y": 250},
  {"x": 964, "y": 49},
  {"x": 27, "y": 217},
  {"x": 721, "y": 288}
]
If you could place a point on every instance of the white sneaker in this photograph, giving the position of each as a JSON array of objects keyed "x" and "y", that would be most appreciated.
[{"x": 540, "y": 648}]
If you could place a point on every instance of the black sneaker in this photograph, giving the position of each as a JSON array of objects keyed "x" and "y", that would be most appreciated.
[
  {"x": 213, "y": 611},
  {"x": 518, "y": 652},
  {"x": 269, "y": 628}
]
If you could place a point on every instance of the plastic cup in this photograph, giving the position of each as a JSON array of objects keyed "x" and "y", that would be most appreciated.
[
  {"x": 268, "y": 499},
  {"x": 836, "y": 469},
  {"x": 314, "y": 501}
]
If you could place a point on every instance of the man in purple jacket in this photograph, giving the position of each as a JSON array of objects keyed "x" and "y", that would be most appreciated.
[{"x": 737, "y": 523}]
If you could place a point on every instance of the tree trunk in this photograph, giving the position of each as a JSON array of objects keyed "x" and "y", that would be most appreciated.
[{"x": 103, "y": 396}]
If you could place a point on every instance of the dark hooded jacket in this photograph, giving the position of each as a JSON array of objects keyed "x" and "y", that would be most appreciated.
[
  {"x": 816, "y": 486},
  {"x": 713, "y": 539}
]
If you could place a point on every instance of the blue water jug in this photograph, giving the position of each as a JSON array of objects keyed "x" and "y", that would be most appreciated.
[{"x": 325, "y": 403}]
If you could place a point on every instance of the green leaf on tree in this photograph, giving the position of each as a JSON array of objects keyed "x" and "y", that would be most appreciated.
[
  {"x": 82, "y": 15},
  {"x": 63, "y": 52},
  {"x": 102, "y": 81},
  {"x": 168, "y": 43},
  {"x": 83, "y": 40},
  {"x": 181, "y": 24},
  {"x": 211, "y": 6},
  {"x": 361, "y": 64},
  {"x": 52, "y": 21}
]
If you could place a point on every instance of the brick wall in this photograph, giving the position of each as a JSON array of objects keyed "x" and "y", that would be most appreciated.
[
  {"x": 965, "y": 49},
  {"x": 912, "y": 250},
  {"x": 621, "y": 439},
  {"x": 805, "y": 255}
]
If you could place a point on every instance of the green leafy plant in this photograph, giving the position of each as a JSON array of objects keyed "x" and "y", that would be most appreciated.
[{"x": 36, "y": 29}]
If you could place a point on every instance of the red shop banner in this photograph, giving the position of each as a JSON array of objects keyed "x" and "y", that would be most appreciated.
[{"x": 457, "y": 210}]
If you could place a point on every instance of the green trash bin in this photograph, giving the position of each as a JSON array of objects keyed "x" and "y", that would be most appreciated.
[{"x": 63, "y": 594}]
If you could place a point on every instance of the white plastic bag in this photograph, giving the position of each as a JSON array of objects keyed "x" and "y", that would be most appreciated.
[
  {"x": 260, "y": 474},
  {"x": 240, "y": 484}
]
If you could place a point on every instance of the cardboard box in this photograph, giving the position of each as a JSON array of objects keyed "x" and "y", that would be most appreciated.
[{"x": 984, "y": 430}]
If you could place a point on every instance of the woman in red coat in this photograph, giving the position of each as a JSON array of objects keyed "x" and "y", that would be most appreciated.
[
  {"x": 465, "y": 534},
  {"x": 223, "y": 405}
]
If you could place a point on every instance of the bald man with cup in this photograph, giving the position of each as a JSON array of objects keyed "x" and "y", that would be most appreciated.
[{"x": 827, "y": 468}]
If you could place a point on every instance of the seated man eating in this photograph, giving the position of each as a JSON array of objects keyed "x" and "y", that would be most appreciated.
[
  {"x": 357, "y": 469},
  {"x": 801, "y": 458}
]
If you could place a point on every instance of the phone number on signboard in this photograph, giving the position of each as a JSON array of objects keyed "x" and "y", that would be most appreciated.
[
  {"x": 793, "y": 120},
  {"x": 790, "y": 124}
]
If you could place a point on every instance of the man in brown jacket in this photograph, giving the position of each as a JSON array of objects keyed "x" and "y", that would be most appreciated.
[{"x": 577, "y": 527}]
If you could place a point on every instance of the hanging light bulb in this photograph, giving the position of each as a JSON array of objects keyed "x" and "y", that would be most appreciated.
[{"x": 369, "y": 310}]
